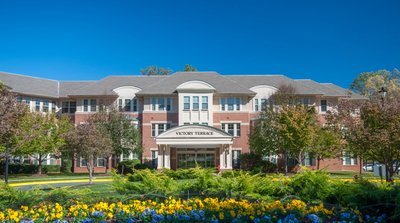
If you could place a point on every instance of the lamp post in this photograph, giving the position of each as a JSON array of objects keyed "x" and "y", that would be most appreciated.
[
  {"x": 383, "y": 93},
  {"x": 7, "y": 161}
]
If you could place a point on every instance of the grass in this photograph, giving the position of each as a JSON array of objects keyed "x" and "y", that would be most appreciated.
[{"x": 47, "y": 177}]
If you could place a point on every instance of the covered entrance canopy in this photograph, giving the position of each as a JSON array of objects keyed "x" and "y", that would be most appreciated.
[{"x": 190, "y": 145}]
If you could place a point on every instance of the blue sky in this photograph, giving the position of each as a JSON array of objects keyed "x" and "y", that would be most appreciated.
[{"x": 328, "y": 41}]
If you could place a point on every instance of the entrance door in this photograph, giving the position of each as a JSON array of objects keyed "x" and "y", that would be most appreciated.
[{"x": 189, "y": 158}]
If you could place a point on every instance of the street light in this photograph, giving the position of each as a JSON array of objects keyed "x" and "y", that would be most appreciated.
[{"x": 383, "y": 92}]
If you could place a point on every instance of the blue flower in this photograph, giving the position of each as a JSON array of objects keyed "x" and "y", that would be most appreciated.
[
  {"x": 313, "y": 218},
  {"x": 257, "y": 220},
  {"x": 290, "y": 218},
  {"x": 345, "y": 215}
]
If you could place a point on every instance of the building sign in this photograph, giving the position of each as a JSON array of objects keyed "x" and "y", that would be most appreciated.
[{"x": 194, "y": 133}]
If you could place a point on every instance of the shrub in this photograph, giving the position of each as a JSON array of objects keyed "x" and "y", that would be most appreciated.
[
  {"x": 254, "y": 163},
  {"x": 66, "y": 166},
  {"x": 311, "y": 185},
  {"x": 51, "y": 168},
  {"x": 127, "y": 166},
  {"x": 11, "y": 198},
  {"x": 18, "y": 168}
]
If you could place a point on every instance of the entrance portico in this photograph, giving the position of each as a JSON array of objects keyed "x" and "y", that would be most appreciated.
[{"x": 189, "y": 145}]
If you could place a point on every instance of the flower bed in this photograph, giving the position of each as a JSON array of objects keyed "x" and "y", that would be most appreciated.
[{"x": 192, "y": 210}]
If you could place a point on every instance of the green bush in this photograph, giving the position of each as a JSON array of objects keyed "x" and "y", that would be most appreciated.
[
  {"x": 66, "y": 166},
  {"x": 254, "y": 163},
  {"x": 51, "y": 169},
  {"x": 11, "y": 198},
  {"x": 16, "y": 168},
  {"x": 312, "y": 185},
  {"x": 127, "y": 166}
]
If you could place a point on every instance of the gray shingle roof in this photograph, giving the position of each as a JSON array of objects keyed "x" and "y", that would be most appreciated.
[
  {"x": 221, "y": 83},
  {"x": 152, "y": 85},
  {"x": 30, "y": 85},
  {"x": 276, "y": 81}
]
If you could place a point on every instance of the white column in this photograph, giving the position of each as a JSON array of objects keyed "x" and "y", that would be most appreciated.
[
  {"x": 167, "y": 157},
  {"x": 160, "y": 158},
  {"x": 229, "y": 157}
]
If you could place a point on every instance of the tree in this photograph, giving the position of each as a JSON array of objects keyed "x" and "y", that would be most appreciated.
[
  {"x": 285, "y": 127},
  {"x": 374, "y": 133},
  {"x": 10, "y": 114},
  {"x": 326, "y": 144},
  {"x": 369, "y": 83},
  {"x": 155, "y": 71},
  {"x": 189, "y": 68},
  {"x": 40, "y": 135},
  {"x": 125, "y": 137},
  {"x": 90, "y": 141}
]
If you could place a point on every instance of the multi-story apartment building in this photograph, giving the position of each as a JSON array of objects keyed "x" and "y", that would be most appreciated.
[{"x": 184, "y": 118}]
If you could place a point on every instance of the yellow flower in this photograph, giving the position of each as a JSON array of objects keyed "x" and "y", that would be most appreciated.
[{"x": 221, "y": 215}]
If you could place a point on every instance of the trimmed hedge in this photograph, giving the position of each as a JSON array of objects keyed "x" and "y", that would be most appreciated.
[{"x": 18, "y": 168}]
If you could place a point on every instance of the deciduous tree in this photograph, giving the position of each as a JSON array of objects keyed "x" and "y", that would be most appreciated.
[{"x": 155, "y": 71}]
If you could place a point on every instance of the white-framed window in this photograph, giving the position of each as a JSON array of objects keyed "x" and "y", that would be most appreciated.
[
  {"x": 68, "y": 107},
  {"x": 101, "y": 162},
  {"x": 348, "y": 159},
  {"x": 324, "y": 105},
  {"x": 28, "y": 102},
  {"x": 186, "y": 102},
  {"x": 161, "y": 104},
  {"x": 127, "y": 105},
  {"x": 89, "y": 105},
  {"x": 53, "y": 106},
  {"x": 273, "y": 158},
  {"x": 154, "y": 158},
  {"x": 158, "y": 128},
  {"x": 309, "y": 160},
  {"x": 230, "y": 104},
  {"x": 195, "y": 105},
  {"x": 204, "y": 102},
  {"x": 45, "y": 106},
  {"x": 261, "y": 103},
  {"x": 236, "y": 158},
  {"x": 231, "y": 128},
  {"x": 19, "y": 99},
  {"x": 37, "y": 105},
  {"x": 305, "y": 101},
  {"x": 82, "y": 162}
]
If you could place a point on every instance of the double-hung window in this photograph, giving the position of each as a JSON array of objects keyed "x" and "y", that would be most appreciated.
[
  {"x": 168, "y": 104},
  {"x": 127, "y": 105},
  {"x": 231, "y": 128},
  {"x": 53, "y": 106},
  {"x": 45, "y": 106},
  {"x": 161, "y": 104},
  {"x": 230, "y": 104},
  {"x": 153, "y": 104},
  {"x": 186, "y": 102},
  {"x": 19, "y": 99},
  {"x": 204, "y": 102},
  {"x": 223, "y": 102},
  {"x": 256, "y": 105},
  {"x": 324, "y": 105},
  {"x": 93, "y": 105},
  {"x": 237, "y": 104},
  {"x": 348, "y": 159},
  {"x": 28, "y": 102},
  {"x": 85, "y": 105},
  {"x": 158, "y": 128},
  {"x": 37, "y": 105},
  {"x": 196, "y": 103}
]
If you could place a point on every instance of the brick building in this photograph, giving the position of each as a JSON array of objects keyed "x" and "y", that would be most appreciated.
[{"x": 184, "y": 118}]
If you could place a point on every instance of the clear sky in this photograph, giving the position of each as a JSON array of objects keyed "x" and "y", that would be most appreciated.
[{"x": 328, "y": 41}]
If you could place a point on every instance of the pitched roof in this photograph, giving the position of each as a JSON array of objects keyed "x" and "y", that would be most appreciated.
[
  {"x": 276, "y": 81},
  {"x": 221, "y": 83},
  {"x": 30, "y": 85}
]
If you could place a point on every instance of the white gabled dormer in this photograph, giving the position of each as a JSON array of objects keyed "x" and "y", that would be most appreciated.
[{"x": 195, "y": 103}]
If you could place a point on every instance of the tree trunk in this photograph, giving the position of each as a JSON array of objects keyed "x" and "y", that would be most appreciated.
[
  {"x": 361, "y": 164},
  {"x": 318, "y": 160},
  {"x": 286, "y": 163},
  {"x": 40, "y": 164},
  {"x": 90, "y": 170}
]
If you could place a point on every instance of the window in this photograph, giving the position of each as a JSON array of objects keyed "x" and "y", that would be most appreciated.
[
  {"x": 28, "y": 102},
  {"x": 161, "y": 104},
  {"x": 223, "y": 104},
  {"x": 45, "y": 106},
  {"x": 85, "y": 105},
  {"x": 83, "y": 162},
  {"x": 93, "y": 104},
  {"x": 204, "y": 103},
  {"x": 186, "y": 103},
  {"x": 101, "y": 162},
  {"x": 119, "y": 104},
  {"x": 306, "y": 101},
  {"x": 168, "y": 104},
  {"x": 237, "y": 104},
  {"x": 230, "y": 104},
  {"x": 127, "y": 104},
  {"x": 231, "y": 128},
  {"x": 37, "y": 105},
  {"x": 236, "y": 159},
  {"x": 65, "y": 107},
  {"x": 309, "y": 160},
  {"x": 158, "y": 128},
  {"x": 19, "y": 99},
  {"x": 153, "y": 104},
  {"x": 72, "y": 106},
  {"x": 256, "y": 104},
  {"x": 53, "y": 106},
  {"x": 154, "y": 158},
  {"x": 324, "y": 105},
  {"x": 348, "y": 159},
  {"x": 196, "y": 103}
]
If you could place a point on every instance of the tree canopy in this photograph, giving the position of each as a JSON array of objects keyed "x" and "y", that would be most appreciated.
[
  {"x": 154, "y": 70},
  {"x": 370, "y": 83}
]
